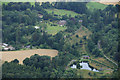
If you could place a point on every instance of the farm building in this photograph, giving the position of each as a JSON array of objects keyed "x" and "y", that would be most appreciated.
[
  {"x": 11, "y": 48},
  {"x": 36, "y": 27},
  {"x": 86, "y": 57},
  {"x": 40, "y": 15},
  {"x": 4, "y": 44},
  {"x": 7, "y": 47},
  {"x": 80, "y": 20},
  {"x": 62, "y": 22}
]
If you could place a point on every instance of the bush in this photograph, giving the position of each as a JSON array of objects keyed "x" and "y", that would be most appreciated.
[
  {"x": 15, "y": 61},
  {"x": 77, "y": 36}
]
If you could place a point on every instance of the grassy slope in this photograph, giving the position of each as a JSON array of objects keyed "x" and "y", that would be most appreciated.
[
  {"x": 54, "y": 29},
  {"x": 62, "y": 12},
  {"x": 83, "y": 31},
  {"x": 95, "y": 5},
  {"x": 80, "y": 32},
  {"x": 89, "y": 74}
]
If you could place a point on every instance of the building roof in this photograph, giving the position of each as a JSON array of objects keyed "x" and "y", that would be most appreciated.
[
  {"x": 85, "y": 56},
  {"x": 36, "y": 27},
  {"x": 40, "y": 15},
  {"x": 62, "y": 22}
]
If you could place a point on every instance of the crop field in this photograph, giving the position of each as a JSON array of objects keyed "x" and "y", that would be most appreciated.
[
  {"x": 62, "y": 12},
  {"x": 21, "y": 55},
  {"x": 96, "y": 5},
  {"x": 102, "y": 60}
]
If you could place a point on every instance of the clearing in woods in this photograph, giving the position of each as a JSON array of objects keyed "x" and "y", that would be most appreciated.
[
  {"x": 55, "y": 29},
  {"x": 21, "y": 55},
  {"x": 62, "y": 12},
  {"x": 95, "y": 5}
]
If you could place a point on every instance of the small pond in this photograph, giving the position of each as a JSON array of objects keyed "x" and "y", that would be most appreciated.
[{"x": 86, "y": 66}]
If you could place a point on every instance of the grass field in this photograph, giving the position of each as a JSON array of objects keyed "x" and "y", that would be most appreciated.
[
  {"x": 101, "y": 63},
  {"x": 55, "y": 29},
  {"x": 91, "y": 74},
  {"x": 96, "y": 5},
  {"x": 21, "y": 55},
  {"x": 61, "y": 12}
]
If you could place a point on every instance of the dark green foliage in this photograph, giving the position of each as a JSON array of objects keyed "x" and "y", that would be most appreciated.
[
  {"x": 76, "y": 7},
  {"x": 38, "y": 61},
  {"x": 46, "y": 5},
  {"x": 80, "y": 41},
  {"x": 15, "y": 61},
  {"x": 84, "y": 37},
  {"x": 77, "y": 36},
  {"x": 78, "y": 66}
]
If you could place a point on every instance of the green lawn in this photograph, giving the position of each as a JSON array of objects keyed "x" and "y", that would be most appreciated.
[
  {"x": 96, "y": 5},
  {"x": 54, "y": 29},
  {"x": 62, "y": 12}
]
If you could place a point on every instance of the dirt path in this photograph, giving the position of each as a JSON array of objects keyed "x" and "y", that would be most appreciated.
[
  {"x": 21, "y": 55},
  {"x": 105, "y": 55},
  {"x": 110, "y": 60}
]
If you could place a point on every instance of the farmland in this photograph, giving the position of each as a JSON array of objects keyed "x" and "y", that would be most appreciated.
[
  {"x": 75, "y": 30},
  {"x": 95, "y": 5},
  {"x": 21, "y": 55},
  {"x": 61, "y": 12}
]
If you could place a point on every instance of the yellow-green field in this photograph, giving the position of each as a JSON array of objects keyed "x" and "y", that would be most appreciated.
[
  {"x": 62, "y": 12},
  {"x": 95, "y": 5},
  {"x": 54, "y": 29}
]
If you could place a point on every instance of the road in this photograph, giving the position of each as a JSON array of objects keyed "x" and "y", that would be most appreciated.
[{"x": 105, "y": 55}]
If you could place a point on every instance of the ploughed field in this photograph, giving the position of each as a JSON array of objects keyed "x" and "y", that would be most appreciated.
[{"x": 21, "y": 55}]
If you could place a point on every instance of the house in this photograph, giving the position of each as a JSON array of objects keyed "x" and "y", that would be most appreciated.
[
  {"x": 40, "y": 15},
  {"x": 85, "y": 57},
  {"x": 4, "y": 44},
  {"x": 62, "y": 22},
  {"x": 11, "y": 48},
  {"x": 81, "y": 21},
  {"x": 36, "y": 27},
  {"x": 6, "y": 47},
  {"x": 28, "y": 46}
]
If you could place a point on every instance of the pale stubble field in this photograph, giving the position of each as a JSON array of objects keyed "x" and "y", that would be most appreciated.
[{"x": 21, "y": 55}]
